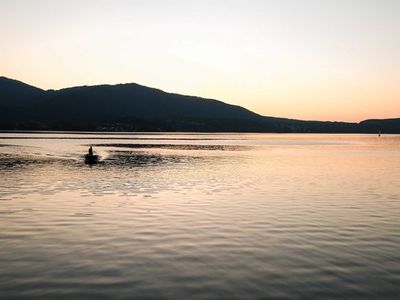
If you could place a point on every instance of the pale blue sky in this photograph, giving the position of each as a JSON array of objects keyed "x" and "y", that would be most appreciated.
[{"x": 336, "y": 60}]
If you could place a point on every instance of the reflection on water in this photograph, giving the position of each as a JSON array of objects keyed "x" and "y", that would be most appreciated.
[
  {"x": 178, "y": 146},
  {"x": 203, "y": 216}
]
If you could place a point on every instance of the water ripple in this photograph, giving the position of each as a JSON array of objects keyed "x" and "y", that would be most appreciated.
[{"x": 266, "y": 220}]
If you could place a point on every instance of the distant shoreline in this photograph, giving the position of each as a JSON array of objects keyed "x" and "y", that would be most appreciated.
[
  {"x": 136, "y": 108},
  {"x": 180, "y": 132}
]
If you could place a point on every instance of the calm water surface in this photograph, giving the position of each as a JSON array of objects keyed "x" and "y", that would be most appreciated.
[{"x": 199, "y": 216}]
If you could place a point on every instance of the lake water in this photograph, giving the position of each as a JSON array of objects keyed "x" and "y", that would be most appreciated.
[{"x": 199, "y": 216}]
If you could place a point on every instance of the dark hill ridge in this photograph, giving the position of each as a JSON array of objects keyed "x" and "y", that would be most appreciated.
[
  {"x": 14, "y": 92},
  {"x": 140, "y": 101},
  {"x": 133, "y": 107}
]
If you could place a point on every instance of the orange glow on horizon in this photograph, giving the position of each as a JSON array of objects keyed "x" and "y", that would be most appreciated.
[{"x": 310, "y": 60}]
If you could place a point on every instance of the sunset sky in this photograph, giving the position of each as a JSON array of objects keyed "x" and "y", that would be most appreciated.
[{"x": 305, "y": 59}]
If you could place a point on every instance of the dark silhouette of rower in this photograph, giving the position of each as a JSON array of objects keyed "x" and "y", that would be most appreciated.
[{"x": 90, "y": 151}]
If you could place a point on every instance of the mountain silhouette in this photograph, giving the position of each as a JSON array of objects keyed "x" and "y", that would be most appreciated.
[
  {"x": 15, "y": 93},
  {"x": 133, "y": 107}
]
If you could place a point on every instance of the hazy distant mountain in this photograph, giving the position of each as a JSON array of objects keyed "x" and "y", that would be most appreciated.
[{"x": 132, "y": 107}]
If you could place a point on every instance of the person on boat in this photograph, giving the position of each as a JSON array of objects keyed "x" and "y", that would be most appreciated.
[{"x": 90, "y": 151}]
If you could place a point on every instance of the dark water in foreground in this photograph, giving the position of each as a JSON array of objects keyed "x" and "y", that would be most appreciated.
[{"x": 191, "y": 216}]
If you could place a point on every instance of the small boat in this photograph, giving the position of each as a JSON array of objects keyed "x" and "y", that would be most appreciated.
[{"x": 91, "y": 159}]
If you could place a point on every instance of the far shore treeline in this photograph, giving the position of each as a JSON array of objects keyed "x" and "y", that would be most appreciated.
[{"x": 132, "y": 107}]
